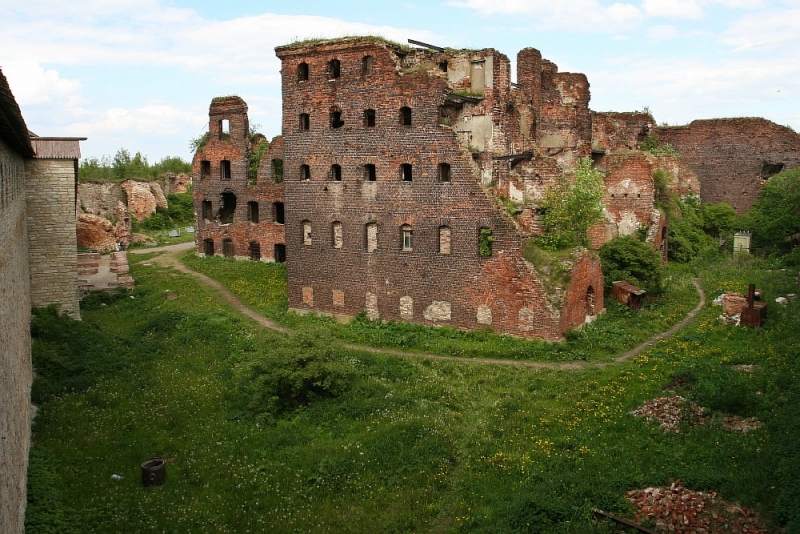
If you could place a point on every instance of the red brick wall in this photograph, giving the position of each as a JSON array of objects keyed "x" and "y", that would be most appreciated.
[
  {"x": 472, "y": 285},
  {"x": 236, "y": 148},
  {"x": 728, "y": 155}
]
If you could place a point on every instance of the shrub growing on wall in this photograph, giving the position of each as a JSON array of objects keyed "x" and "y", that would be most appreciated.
[{"x": 570, "y": 208}]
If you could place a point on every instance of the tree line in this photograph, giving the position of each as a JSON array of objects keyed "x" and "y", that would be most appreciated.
[{"x": 123, "y": 167}]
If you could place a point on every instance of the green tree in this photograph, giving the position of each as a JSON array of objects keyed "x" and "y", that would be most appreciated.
[
  {"x": 570, "y": 208},
  {"x": 775, "y": 216},
  {"x": 718, "y": 219},
  {"x": 627, "y": 258}
]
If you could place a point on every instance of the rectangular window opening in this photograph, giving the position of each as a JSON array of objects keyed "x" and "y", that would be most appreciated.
[
  {"x": 405, "y": 172},
  {"x": 252, "y": 212},
  {"x": 225, "y": 170},
  {"x": 369, "y": 172}
]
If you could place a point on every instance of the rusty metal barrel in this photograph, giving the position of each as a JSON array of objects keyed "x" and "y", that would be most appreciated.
[{"x": 154, "y": 472}]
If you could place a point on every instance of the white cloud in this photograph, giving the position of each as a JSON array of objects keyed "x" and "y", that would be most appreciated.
[
  {"x": 575, "y": 15},
  {"x": 662, "y": 33},
  {"x": 31, "y": 84},
  {"x": 672, "y": 9},
  {"x": 156, "y": 120},
  {"x": 775, "y": 29}
]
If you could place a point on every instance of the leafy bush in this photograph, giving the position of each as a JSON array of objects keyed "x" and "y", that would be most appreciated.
[
  {"x": 305, "y": 366},
  {"x": 160, "y": 220},
  {"x": 775, "y": 216},
  {"x": 181, "y": 207},
  {"x": 571, "y": 208},
  {"x": 627, "y": 258},
  {"x": 687, "y": 239}
]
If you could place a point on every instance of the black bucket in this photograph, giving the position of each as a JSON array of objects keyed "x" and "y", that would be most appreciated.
[{"x": 154, "y": 472}]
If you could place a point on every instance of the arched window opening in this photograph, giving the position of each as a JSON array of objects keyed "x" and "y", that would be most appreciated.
[
  {"x": 302, "y": 72},
  {"x": 406, "y": 234},
  {"x": 367, "y": 63},
  {"x": 334, "y": 68}
]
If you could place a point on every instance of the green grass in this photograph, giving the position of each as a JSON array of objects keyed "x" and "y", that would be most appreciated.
[
  {"x": 262, "y": 286},
  {"x": 413, "y": 445}
]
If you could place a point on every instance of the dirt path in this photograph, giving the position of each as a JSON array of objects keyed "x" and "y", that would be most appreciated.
[{"x": 170, "y": 259}]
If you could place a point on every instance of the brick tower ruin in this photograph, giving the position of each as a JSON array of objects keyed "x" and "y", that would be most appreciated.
[{"x": 239, "y": 209}]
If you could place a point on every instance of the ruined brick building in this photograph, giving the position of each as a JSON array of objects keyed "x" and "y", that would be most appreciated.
[
  {"x": 38, "y": 267},
  {"x": 409, "y": 175},
  {"x": 239, "y": 200},
  {"x": 413, "y": 180}
]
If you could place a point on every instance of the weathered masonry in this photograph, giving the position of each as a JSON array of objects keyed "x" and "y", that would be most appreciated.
[
  {"x": 396, "y": 164},
  {"x": 238, "y": 198},
  {"x": 734, "y": 157},
  {"x": 37, "y": 268}
]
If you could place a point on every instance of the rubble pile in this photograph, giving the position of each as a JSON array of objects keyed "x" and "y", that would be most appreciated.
[
  {"x": 741, "y": 424},
  {"x": 668, "y": 412},
  {"x": 682, "y": 511}
]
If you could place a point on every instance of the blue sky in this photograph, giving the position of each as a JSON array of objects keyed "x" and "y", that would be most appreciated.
[{"x": 140, "y": 74}]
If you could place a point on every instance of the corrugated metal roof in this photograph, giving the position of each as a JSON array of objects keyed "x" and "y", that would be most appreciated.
[{"x": 57, "y": 147}]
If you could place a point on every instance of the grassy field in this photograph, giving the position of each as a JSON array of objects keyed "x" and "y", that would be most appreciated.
[{"x": 410, "y": 444}]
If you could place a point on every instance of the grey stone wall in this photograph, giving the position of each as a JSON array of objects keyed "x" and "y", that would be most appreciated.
[
  {"x": 15, "y": 343},
  {"x": 50, "y": 185}
]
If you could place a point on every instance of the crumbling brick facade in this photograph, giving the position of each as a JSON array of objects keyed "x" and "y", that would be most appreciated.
[
  {"x": 733, "y": 157},
  {"x": 239, "y": 209},
  {"x": 395, "y": 160}
]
